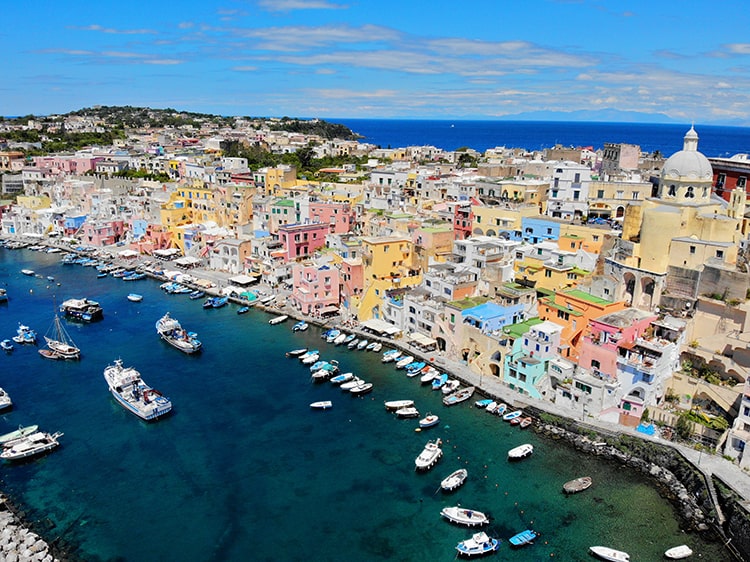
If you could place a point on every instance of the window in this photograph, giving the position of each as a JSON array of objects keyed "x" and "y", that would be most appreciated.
[
  {"x": 690, "y": 193},
  {"x": 595, "y": 364},
  {"x": 692, "y": 250},
  {"x": 635, "y": 195},
  {"x": 576, "y": 195},
  {"x": 600, "y": 194},
  {"x": 453, "y": 318},
  {"x": 549, "y": 231},
  {"x": 672, "y": 192},
  {"x": 572, "y": 276},
  {"x": 620, "y": 194},
  {"x": 741, "y": 182},
  {"x": 554, "y": 194},
  {"x": 719, "y": 253},
  {"x": 595, "y": 237},
  {"x": 721, "y": 179},
  {"x": 548, "y": 273}
]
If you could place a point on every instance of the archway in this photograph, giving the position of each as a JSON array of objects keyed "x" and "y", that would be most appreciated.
[
  {"x": 478, "y": 231},
  {"x": 647, "y": 292},
  {"x": 620, "y": 212},
  {"x": 441, "y": 343},
  {"x": 629, "y": 286}
]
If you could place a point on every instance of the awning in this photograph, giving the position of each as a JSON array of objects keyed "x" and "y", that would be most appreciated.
[
  {"x": 187, "y": 261},
  {"x": 128, "y": 254},
  {"x": 242, "y": 280},
  {"x": 329, "y": 309},
  {"x": 421, "y": 339},
  {"x": 380, "y": 327}
]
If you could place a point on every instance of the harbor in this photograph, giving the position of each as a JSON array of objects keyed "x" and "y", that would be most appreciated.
[{"x": 198, "y": 457}]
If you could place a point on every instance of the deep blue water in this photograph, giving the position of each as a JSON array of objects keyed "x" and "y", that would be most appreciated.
[
  {"x": 244, "y": 470},
  {"x": 535, "y": 135}
]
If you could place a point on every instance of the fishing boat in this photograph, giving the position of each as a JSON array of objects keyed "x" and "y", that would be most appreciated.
[
  {"x": 459, "y": 396},
  {"x": 300, "y": 326},
  {"x": 218, "y": 302},
  {"x": 523, "y": 538},
  {"x": 430, "y": 420},
  {"x": 278, "y": 319},
  {"x": 454, "y": 480},
  {"x": 429, "y": 456},
  {"x": 391, "y": 355},
  {"x": 415, "y": 368},
  {"x": 17, "y": 434},
  {"x": 133, "y": 394},
  {"x": 170, "y": 330},
  {"x": 6, "y": 345},
  {"x": 393, "y": 405},
  {"x": 610, "y": 554},
  {"x": 342, "y": 378},
  {"x": 296, "y": 352},
  {"x": 407, "y": 412},
  {"x": 135, "y": 297},
  {"x": 478, "y": 545},
  {"x": 322, "y": 405},
  {"x": 31, "y": 445},
  {"x": 404, "y": 361},
  {"x": 5, "y": 401},
  {"x": 520, "y": 452},
  {"x": 24, "y": 334},
  {"x": 678, "y": 552},
  {"x": 371, "y": 346},
  {"x": 29, "y": 272},
  {"x": 82, "y": 309},
  {"x": 325, "y": 372},
  {"x": 361, "y": 388},
  {"x": 512, "y": 415},
  {"x": 439, "y": 382},
  {"x": 462, "y": 516},
  {"x": 525, "y": 422},
  {"x": 59, "y": 341},
  {"x": 577, "y": 485}
]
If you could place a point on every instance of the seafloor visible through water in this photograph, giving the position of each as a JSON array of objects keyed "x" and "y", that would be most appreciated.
[{"x": 243, "y": 469}]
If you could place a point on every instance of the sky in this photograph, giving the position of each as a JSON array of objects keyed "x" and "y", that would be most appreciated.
[{"x": 667, "y": 60}]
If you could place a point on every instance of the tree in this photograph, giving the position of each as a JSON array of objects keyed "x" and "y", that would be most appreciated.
[{"x": 683, "y": 427}]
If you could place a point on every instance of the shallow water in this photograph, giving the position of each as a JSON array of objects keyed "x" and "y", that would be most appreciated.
[{"x": 243, "y": 469}]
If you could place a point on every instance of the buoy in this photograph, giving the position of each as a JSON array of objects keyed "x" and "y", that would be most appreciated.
[{"x": 418, "y": 429}]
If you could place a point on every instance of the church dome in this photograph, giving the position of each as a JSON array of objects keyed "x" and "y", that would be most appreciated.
[{"x": 688, "y": 164}]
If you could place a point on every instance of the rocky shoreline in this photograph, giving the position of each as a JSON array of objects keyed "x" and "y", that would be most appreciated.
[{"x": 17, "y": 542}]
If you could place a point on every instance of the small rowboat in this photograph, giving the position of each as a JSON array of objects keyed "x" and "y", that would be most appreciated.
[
  {"x": 429, "y": 420},
  {"x": 678, "y": 552},
  {"x": 322, "y": 405},
  {"x": 577, "y": 485},
  {"x": 454, "y": 480},
  {"x": 525, "y": 422}
]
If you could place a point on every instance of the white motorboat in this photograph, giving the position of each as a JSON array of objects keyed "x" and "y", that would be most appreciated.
[
  {"x": 404, "y": 361},
  {"x": 679, "y": 552},
  {"x": 510, "y": 416},
  {"x": 459, "y": 396},
  {"x": 362, "y": 344},
  {"x": 170, "y": 330},
  {"x": 391, "y": 355},
  {"x": 428, "y": 375},
  {"x": 300, "y": 326},
  {"x": 5, "y": 401},
  {"x": 17, "y": 434},
  {"x": 462, "y": 516},
  {"x": 341, "y": 338},
  {"x": 491, "y": 408},
  {"x": 6, "y": 345},
  {"x": 133, "y": 394},
  {"x": 31, "y": 445},
  {"x": 353, "y": 344},
  {"x": 450, "y": 386},
  {"x": 135, "y": 297},
  {"x": 430, "y": 420},
  {"x": 606, "y": 553},
  {"x": 305, "y": 354},
  {"x": 322, "y": 405},
  {"x": 408, "y": 412},
  {"x": 356, "y": 381},
  {"x": 296, "y": 352},
  {"x": 310, "y": 359},
  {"x": 577, "y": 485},
  {"x": 332, "y": 335},
  {"x": 520, "y": 452},
  {"x": 342, "y": 378},
  {"x": 278, "y": 319},
  {"x": 376, "y": 347},
  {"x": 429, "y": 456},
  {"x": 361, "y": 388},
  {"x": 24, "y": 334},
  {"x": 478, "y": 545},
  {"x": 455, "y": 480},
  {"x": 393, "y": 405},
  {"x": 29, "y": 272}
]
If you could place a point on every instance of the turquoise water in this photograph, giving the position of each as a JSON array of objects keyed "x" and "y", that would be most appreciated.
[{"x": 244, "y": 470}]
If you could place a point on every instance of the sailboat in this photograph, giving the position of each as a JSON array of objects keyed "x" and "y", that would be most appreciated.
[{"x": 59, "y": 342}]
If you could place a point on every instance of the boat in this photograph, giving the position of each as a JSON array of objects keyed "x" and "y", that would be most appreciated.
[
  {"x": 461, "y": 395},
  {"x": 348, "y": 385},
  {"x": 243, "y": 310},
  {"x": 135, "y": 297},
  {"x": 439, "y": 382},
  {"x": 49, "y": 354},
  {"x": 268, "y": 300},
  {"x": 478, "y": 545},
  {"x": 361, "y": 388},
  {"x": 5, "y": 401},
  {"x": 462, "y": 516},
  {"x": 341, "y": 338},
  {"x": 428, "y": 375},
  {"x": 371, "y": 346},
  {"x": 29, "y": 272},
  {"x": 101, "y": 275},
  {"x": 218, "y": 302},
  {"x": 450, "y": 386},
  {"x": 512, "y": 415},
  {"x": 349, "y": 338},
  {"x": 525, "y": 422},
  {"x": 376, "y": 347},
  {"x": 352, "y": 344},
  {"x": 59, "y": 342},
  {"x": 326, "y": 371},
  {"x": 501, "y": 409},
  {"x": 362, "y": 344},
  {"x": 3, "y": 295},
  {"x": 678, "y": 552},
  {"x": 520, "y": 452},
  {"x": 6, "y": 345},
  {"x": 33, "y": 444},
  {"x": 170, "y": 330},
  {"x": 278, "y": 319},
  {"x": 391, "y": 355},
  {"x": 454, "y": 480},
  {"x": 415, "y": 368},
  {"x": 407, "y": 412},
  {"x": 606, "y": 553},
  {"x": 515, "y": 421},
  {"x": 483, "y": 403},
  {"x": 523, "y": 538},
  {"x": 577, "y": 485},
  {"x": 195, "y": 295},
  {"x": 137, "y": 397},
  {"x": 322, "y": 405},
  {"x": 82, "y": 309},
  {"x": 309, "y": 359},
  {"x": 332, "y": 335},
  {"x": 296, "y": 352},
  {"x": 429, "y": 420},
  {"x": 429, "y": 456},
  {"x": 393, "y": 405},
  {"x": 404, "y": 361},
  {"x": 491, "y": 407},
  {"x": 300, "y": 326},
  {"x": 17, "y": 434},
  {"x": 134, "y": 276},
  {"x": 342, "y": 378}
]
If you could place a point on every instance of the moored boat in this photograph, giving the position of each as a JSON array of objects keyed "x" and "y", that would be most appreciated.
[
  {"x": 348, "y": 385},
  {"x": 342, "y": 378},
  {"x": 5, "y": 401},
  {"x": 393, "y": 405},
  {"x": 454, "y": 480},
  {"x": 523, "y": 538},
  {"x": 462, "y": 516},
  {"x": 309, "y": 359},
  {"x": 450, "y": 386},
  {"x": 18, "y": 434},
  {"x": 322, "y": 405},
  {"x": 512, "y": 415},
  {"x": 341, "y": 338},
  {"x": 520, "y": 452},
  {"x": 31, "y": 445},
  {"x": 525, "y": 422},
  {"x": 430, "y": 420},
  {"x": 439, "y": 382},
  {"x": 610, "y": 554},
  {"x": 170, "y": 330},
  {"x": 133, "y": 394},
  {"x": 278, "y": 319},
  {"x": 82, "y": 309},
  {"x": 332, "y": 335},
  {"x": 459, "y": 396},
  {"x": 577, "y": 485},
  {"x": 391, "y": 355},
  {"x": 477, "y": 545},
  {"x": 429, "y": 456},
  {"x": 6, "y": 345},
  {"x": 135, "y": 297},
  {"x": 353, "y": 344},
  {"x": 407, "y": 412},
  {"x": 404, "y": 361},
  {"x": 362, "y": 344},
  {"x": 678, "y": 552},
  {"x": 300, "y": 326},
  {"x": 59, "y": 342},
  {"x": 24, "y": 334},
  {"x": 296, "y": 352},
  {"x": 484, "y": 402},
  {"x": 361, "y": 388},
  {"x": 376, "y": 347},
  {"x": 243, "y": 310}
]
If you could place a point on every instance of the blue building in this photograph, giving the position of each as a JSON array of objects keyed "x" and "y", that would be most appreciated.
[
  {"x": 490, "y": 317},
  {"x": 536, "y": 230}
]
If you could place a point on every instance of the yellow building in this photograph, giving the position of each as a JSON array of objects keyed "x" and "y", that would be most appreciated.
[
  {"x": 390, "y": 262},
  {"x": 187, "y": 205},
  {"x": 489, "y": 221},
  {"x": 33, "y": 202},
  {"x": 234, "y": 205},
  {"x": 545, "y": 275},
  {"x": 275, "y": 179},
  {"x": 582, "y": 237}
]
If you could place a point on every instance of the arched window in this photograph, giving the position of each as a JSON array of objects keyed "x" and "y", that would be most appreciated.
[
  {"x": 690, "y": 192},
  {"x": 672, "y": 191}
]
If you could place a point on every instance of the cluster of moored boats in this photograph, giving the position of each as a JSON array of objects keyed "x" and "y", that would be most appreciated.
[{"x": 26, "y": 442}]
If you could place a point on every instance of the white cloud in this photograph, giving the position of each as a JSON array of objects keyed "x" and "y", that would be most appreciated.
[{"x": 290, "y": 5}]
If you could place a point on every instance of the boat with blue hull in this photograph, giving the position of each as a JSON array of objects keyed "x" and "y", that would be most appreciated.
[
  {"x": 523, "y": 538},
  {"x": 478, "y": 545},
  {"x": 128, "y": 388},
  {"x": 170, "y": 330}
]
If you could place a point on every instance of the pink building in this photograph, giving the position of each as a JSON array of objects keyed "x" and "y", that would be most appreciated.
[
  {"x": 316, "y": 288},
  {"x": 302, "y": 240},
  {"x": 599, "y": 348},
  {"x": 102, "y": 233},
  {"x": 352, "y": 279},
  {"x": 77, "y": 165},
  {"x": 340, "y": 216}
]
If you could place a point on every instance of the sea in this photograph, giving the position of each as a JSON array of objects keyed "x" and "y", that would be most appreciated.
[
  {"x": 714, "y": 141},
  {"x": 243, "y": 469}
]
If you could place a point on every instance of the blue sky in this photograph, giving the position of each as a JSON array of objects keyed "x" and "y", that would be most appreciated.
[{"x": 671, "y": 60}]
